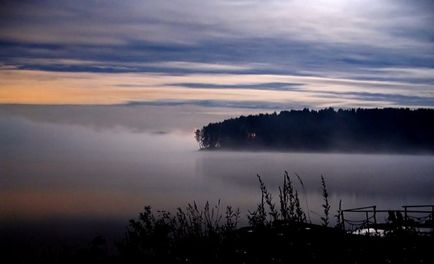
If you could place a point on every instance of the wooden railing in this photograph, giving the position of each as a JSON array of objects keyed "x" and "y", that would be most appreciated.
[{"x": 412, "y": 217}]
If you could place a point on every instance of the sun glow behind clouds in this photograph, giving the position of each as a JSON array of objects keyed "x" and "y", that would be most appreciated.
[{"x": 41, "y": 87}]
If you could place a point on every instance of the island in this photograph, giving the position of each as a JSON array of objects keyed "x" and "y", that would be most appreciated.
[{"x": 400, "y": 130}]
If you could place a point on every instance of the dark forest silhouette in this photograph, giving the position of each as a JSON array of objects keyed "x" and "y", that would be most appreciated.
[{"x": 362, "y": 130}]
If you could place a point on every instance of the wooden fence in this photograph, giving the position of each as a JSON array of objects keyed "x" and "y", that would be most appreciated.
[{"x": 418, "y": 218}]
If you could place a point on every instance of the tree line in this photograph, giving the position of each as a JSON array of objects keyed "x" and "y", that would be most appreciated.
[{"x": 365, "y": 130}]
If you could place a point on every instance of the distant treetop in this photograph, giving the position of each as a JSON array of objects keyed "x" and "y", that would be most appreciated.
[{"x": 349, "y": 130}]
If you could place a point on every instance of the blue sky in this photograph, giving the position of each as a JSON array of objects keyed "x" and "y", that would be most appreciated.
[{"x": 315, "y": 53}]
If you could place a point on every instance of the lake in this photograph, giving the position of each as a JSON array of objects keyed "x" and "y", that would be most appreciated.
[{"x": 74, "y": 171}]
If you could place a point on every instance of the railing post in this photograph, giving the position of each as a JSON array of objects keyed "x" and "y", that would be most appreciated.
[
  {"x": 342, "y": 220},
  {"x": 375, "y": 218},
  {"x": 432, "y": 215}
]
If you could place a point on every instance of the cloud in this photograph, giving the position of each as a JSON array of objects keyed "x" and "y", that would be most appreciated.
[
  {"x": 389, "y": 99},
  {"x": 223, "y": 104},
  {"x": 279, "y": 86},
  {"x": 369, "y": 22},
  {"x": 383, "y": 46},
  {"x": 268, "y": 91}
]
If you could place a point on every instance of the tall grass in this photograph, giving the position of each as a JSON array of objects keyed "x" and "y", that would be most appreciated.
[
  {"x": 325, "y": 205},
  {"x": 278, "y": 233},
  {"x": 191, "y": 231},
  {"x": 339, "y": 220},
  {"x": 210, "y": 232},
  {"x": 305, "y": 196},
  {"x": 290, "y": 210}
]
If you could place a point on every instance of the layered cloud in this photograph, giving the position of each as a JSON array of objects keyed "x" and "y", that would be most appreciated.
[{"x": 303, "y": 53}]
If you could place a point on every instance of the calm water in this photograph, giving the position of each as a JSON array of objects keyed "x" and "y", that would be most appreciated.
[{"x": 93, "y": 168}]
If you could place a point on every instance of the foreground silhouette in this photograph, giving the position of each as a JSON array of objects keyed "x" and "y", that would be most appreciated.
[
  {"x": 278, "y": 232},
  {"x": 353, "y": 130}
]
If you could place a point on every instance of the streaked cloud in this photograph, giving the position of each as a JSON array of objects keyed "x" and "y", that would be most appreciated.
[
  {"x": 280, "y": 86},
  {"x": 251, "y": 53},
  {"x": 246, "y": 90},
  {"x": 370, "y": 22}
]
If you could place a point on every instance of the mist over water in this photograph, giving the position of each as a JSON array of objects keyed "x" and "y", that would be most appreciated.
[{"x": 101, "y": 164}]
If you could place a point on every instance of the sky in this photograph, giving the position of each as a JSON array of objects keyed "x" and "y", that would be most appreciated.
[{"x": 272, "y": 54}]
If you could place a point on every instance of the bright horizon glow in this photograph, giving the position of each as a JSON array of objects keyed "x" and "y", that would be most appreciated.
[{"x": 41, "y": 87}]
